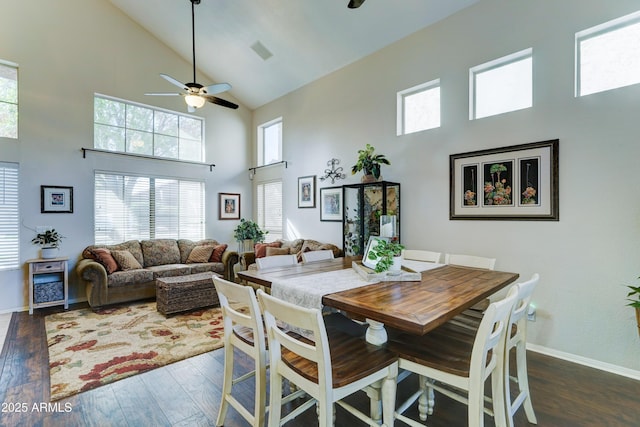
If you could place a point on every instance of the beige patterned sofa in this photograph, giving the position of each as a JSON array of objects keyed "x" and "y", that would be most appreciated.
[
  {"x": 285, "y": 247},
  {"x": 128, "y": 271}
]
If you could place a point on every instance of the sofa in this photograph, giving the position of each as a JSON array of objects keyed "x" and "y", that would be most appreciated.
[
  {"x": 128, "y": 271},
  {"x": 284, "y": 247}
]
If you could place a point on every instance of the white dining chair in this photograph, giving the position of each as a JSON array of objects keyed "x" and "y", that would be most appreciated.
[
  {"x": 317, "y": 255},
  {"x": 276, "y": 261},
  {"x": 470, "y": 261},
  {"x": 457, "y": 363},
  {"x": 243, "y": 330},
  {"x": 328, "y": 368},
  {"x": 420, "y": 255}
]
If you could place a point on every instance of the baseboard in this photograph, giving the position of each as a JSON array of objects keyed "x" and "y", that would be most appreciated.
[
  {"x": 608, "y": 367},
  {"x": 26, "y": 307}
]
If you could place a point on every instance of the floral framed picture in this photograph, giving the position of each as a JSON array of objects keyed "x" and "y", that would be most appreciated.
[
  {"x": 307, "y": 191},
  {"x": 519, "y": 182},
  {"x": 55, "y": 199},
  {"x": 229, "y": 206},
  {"x": 331, "y": 204}
]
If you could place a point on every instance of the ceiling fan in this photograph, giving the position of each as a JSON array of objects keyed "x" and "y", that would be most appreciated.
[
  {"x": 354, "y": 4},
  {"x": 195, "y": 95}
]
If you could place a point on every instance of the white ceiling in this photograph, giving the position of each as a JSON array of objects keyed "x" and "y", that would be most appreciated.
[{"x": 308, "y": 38}]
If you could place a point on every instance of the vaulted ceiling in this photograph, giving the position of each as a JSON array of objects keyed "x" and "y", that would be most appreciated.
[{"x": 306, "y": 39}]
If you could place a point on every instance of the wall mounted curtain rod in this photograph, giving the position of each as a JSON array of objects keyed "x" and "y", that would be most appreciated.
[
  {"x": 144, "y": 156},
  {"x": 266, "y": 166}
]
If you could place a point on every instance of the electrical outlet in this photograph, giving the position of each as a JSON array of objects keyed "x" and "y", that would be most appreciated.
[{"x": 531, "y": 313}]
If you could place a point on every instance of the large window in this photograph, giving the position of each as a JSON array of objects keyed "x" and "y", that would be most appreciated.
[
  {"x": 419, "y": 108},
  {"x": 608, "y": 55},
  {"x": 9, "y": 217},
  {"x": 129, "y": 207},
  {"x": 270, "y": 142},
  {"x": 502, "y": 85},
  {"x": 269, "y": 202},
  {"x": 8, "y": 100},
  {"x": 139, "y": 129}
]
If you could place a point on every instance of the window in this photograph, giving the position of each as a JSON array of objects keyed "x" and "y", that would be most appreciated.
[
  {"x": 8, "y": 100},
  {"x": 139, "y": 129},
  {"x": 608, "y": 55},
  {"x": 129, "y": 207},
  {"x": 270, "y": 142},
  {"x": 419, "y": 108},
  {"x": 502, "y": 85},
  {"x": 9, "y": 221},
  {"x": 269, "y": 202}
]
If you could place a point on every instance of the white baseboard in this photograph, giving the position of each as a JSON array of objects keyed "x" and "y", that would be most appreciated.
[
  {"x": 603, "y": 366},
  {"x": 26, "y": 307}
]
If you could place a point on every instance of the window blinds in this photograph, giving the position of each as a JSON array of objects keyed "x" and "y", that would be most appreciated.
[{"x": 9, "y": 217}]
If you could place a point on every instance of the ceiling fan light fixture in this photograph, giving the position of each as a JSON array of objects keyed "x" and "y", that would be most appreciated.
[{"x": 195, "y": 101}]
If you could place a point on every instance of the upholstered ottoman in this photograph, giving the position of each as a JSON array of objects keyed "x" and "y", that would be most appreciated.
[{"x": 183, "y": 293}]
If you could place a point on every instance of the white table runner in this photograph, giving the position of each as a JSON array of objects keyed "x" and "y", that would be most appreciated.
[{"x": 307, "y": 291}]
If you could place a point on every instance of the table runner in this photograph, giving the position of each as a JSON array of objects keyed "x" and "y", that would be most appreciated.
[{"x": 307, "y": 291}]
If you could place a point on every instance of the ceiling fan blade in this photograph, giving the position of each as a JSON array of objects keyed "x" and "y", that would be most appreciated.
[
  {"x": 216, "y": 88},
  {"x": 174, "y": 81},
  {"x": 163, "y": 94},
  {"x": 220, "y": 101},
  {"x": 354, "y": 4}
]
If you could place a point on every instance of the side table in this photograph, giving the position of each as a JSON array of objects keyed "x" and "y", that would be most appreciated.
[{"x": 48, "y": 282}]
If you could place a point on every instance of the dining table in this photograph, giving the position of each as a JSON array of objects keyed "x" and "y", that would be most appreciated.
[{"x": 413, "y": 306}]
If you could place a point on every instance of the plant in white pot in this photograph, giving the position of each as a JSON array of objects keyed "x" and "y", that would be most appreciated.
[
  {"x": 388, "y": 255},
  {"x": 49, "y": 242},
  {"x": 247, "y": 233}
]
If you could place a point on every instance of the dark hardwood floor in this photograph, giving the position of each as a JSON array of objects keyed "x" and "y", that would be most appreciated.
[{"x": 187, "y": 393}]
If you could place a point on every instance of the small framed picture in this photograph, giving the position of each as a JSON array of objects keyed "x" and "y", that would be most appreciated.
[
  {"x": 307, "y": 192},
  {"x": 54, "y": 199},
  {"x": 229, "y": 206},
  {"x": 331, "y": 204}
]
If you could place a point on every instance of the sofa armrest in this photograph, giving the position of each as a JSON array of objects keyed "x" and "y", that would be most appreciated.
[
  {"x": 229, "y": 259},
  {"x": 94, "y": 276},
  {"x": 246, "y": 259}
]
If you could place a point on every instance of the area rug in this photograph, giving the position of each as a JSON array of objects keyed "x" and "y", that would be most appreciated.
[{"x": 89, "y": 349}]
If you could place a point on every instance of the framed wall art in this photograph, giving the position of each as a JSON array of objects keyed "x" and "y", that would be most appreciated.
[
  {"x": 307, "y": 191},
  {"x": 331, "y": 204},
  {"x": 55, "y": 199},
  {"x": 519, "y": 182},
  {"x": 229, "y": 206}
]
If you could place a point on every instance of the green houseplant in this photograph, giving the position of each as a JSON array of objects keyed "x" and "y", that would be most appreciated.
[
  {"x": 369, "y": 163},
  {"x": 247, "y": 233},
  {"x": 634, "y": 301},
  {"x": 48, "y": 241},
  {"x": 385, "y": 252}
]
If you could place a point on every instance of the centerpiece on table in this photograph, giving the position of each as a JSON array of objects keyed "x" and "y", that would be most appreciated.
[
  {"x": 369, "y": 163},
  {"x": 49, "y": 242},
  {"x": 388, "y": 256},
  {"x": 247, "y": 234}
]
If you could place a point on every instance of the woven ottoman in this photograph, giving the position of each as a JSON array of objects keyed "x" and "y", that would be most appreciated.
[{"x": 183, "y": 293}]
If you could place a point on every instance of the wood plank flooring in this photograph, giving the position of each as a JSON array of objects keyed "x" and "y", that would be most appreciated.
[{"x": 187, "y": 393}]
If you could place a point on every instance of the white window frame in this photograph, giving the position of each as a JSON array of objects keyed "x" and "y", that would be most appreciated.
[
  {"x": 493, "y": 65},
  {"x": 274, "y": 233},
  {"x": 262, "y": 129},
  {"x": 593, "y": 32},
  {"x": 9, "y": 216},
  {"x": 99, "y": 228},
  {"x": 8, "y": 64},
  {"x": 401, "y": 105},
  {"x": 153, "y": 133}
]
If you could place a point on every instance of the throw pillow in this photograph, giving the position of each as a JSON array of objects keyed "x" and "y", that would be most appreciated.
[
  {"x": 277, "y": 251},
  {"x": 126, "y": 260},
  {"x": 200, "y": 254},
  {"x": 103, "y": 256},
  {"x": 261, "y": 248},
  {"x": 216, "y": 255}
]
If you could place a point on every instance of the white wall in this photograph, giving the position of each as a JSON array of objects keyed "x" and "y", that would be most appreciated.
[
  {"x": 67, "y": 50},
  {"x": 586, "y": 257}
]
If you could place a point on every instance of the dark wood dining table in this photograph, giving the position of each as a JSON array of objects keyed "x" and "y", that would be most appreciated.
[{"x": 411, "y": 306}]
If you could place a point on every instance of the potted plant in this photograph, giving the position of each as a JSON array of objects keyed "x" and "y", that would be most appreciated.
[
  {"x": 49, "y": 241},
  {"x": 369, "y": 163},
  {"x": 247, "y": 233},
  {"x": 634, "y": 301},
  {"x": 388, "y": 254}
]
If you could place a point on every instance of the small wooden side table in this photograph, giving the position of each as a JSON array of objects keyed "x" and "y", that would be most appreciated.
[{"x": 48, "y": 282}]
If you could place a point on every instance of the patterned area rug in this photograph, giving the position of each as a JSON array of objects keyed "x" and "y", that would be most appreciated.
[{"x": 88, "y": 349}]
